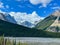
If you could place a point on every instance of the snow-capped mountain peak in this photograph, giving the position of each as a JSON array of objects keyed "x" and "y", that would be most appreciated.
[
  {"x": 21, "y": 18},
  {"x": 29, "y": 20}
]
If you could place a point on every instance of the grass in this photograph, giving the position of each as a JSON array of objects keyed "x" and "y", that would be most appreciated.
[
  {"x": 46, "y": 22},
  {"x": 13, "y": 42},
  {"x": 9, "y": 42}
]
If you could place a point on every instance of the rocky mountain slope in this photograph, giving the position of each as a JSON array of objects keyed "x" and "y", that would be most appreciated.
[{"x": 50, "y": 23}]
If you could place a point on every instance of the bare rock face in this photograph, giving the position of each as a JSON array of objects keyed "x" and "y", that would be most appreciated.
[
  {"x": 7, "y": 17},
  {"x": 53, "y": 26},
  {"x": 57, "y": 21},
  {"x": 50, "y": 23},
  {"x": 2, "y": 17},
  {"x": 56, "y": 13}
]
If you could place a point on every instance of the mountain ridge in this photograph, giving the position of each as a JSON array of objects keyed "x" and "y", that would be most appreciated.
[
  {"x": 50, "y": 23},
  {"x": 19, "y": 19}
]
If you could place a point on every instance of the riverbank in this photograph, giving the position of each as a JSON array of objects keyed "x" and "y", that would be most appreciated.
[
  {"x": 36, "y": 40},
  {"x": 28, "y": 41}
]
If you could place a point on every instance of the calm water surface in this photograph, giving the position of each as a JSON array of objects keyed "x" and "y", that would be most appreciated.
[{"x": 34, "y": 39}]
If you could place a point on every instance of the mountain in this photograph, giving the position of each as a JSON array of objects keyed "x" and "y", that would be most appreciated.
[
  {"x": 11, "y": 19},
  {"x": 28, "y": 20},
  {"x": 2, "y": 17},
  {"x": 7, "y": 17},
  {"x": 27, "y": 24},
  {"x": 13, "y": 30},
  {"x": 50, "y": 23}
]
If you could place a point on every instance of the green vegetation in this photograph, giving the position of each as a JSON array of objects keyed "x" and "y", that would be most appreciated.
[
  {"x": 46, "y": 22},
  {"x": 9, "y": 42},
  {"x": 14, "y": 30},
  {"x": 59, "y": 18},
  {"x": 57, "y": 29}
]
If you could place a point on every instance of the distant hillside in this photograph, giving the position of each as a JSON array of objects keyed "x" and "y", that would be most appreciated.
[
  {"x": 24, "y": 19},
  {"x": 10, "y": 29},
  {"x": 14, "y": 30},
  {"x": 46, "y": 22},
  {"x": 50, "y": 23}
]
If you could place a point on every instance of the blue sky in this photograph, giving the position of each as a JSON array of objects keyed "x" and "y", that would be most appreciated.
[{"x": 42, "y": 7}]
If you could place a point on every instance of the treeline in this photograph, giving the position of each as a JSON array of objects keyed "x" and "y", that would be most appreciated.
[
  {"x": 14, "y": 30},
  {"x": 30, "y": 33}
]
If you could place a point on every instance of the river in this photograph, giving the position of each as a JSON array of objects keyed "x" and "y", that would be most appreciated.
[{"x": 36, "y": 40}]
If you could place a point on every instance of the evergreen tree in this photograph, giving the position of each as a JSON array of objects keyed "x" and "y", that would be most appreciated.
[{"x": 57, "y": 29}]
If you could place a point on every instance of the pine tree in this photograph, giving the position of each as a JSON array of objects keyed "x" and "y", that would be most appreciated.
[{"x": 57, "y": 29}]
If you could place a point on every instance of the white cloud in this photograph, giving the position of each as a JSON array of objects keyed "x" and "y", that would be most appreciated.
[
  {"x": 40, "y": 6},
  {"x": 1, "y": 5},
  {"x": 54, "y": 4},
  {"x": 43, "y": 2},
  {"x": 21, "y": 17},
  {"x": 56, "y": 7},
  {"x": 2, "y": 12}
]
